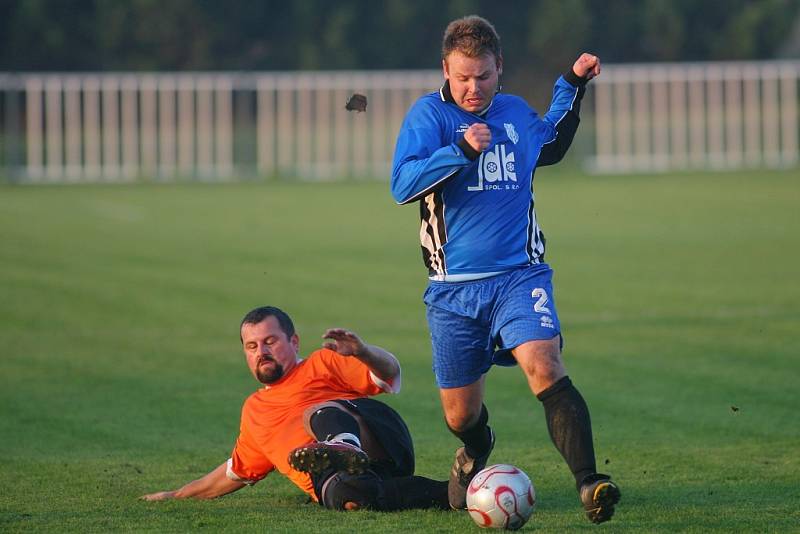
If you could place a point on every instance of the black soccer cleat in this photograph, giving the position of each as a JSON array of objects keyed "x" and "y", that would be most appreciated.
[
  {"x": 599, "y": 494},
  {"x": 316, "y": 458},
  {"x": 464, "y": 469},
  {"x": 343, "y": 491}
]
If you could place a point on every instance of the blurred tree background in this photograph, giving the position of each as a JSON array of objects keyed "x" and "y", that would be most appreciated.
[{"x": 540, "y": 37}]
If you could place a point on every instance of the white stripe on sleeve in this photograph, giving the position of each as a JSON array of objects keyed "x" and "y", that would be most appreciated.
[
  {"x": 236, "y": 478},
  {"x": 390, "y": 386}
]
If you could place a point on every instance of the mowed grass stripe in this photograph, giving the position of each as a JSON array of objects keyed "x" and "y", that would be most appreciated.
[{"x": 122, "y": 374}]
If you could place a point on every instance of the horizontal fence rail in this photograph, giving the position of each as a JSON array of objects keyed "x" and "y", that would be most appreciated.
[
  {"x": 717, "y": 116},
  {"x": 223, "y": 126},
  {"x": 120, "y": 127}
]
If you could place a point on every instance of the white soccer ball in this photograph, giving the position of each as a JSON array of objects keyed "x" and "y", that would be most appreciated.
[{"x": 501, "y": 496}]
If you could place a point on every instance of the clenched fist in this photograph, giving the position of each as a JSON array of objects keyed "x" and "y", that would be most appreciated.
[
  {"x": 479, "y": 136},
  {"x": 587, "y": 66}
]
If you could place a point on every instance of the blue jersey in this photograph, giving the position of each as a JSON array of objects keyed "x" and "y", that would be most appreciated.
[{"x": 477, "y": 210}]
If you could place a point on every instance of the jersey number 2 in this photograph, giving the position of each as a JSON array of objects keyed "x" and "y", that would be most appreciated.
[{"x": 541, "y": 299}]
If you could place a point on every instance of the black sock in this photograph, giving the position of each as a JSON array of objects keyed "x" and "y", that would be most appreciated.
[
  {"x": 368, "y": 490},
  {"x": 406, "y": 493},
  {"x": 570, "y": 427},
  {"x": 328, "y": 422},
  {"x": 477, "y": 439}
]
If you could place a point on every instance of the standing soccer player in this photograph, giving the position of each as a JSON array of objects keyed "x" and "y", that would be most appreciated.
[{"x": 468, "y": 154}]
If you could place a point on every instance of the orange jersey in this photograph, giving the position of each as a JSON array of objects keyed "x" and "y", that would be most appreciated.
[{"x": 272, "y": 417}]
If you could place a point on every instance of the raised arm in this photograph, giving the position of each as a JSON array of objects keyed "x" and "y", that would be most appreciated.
[
  {"x": 215, "y": 484},
  {"x": 564, "y": 113},
  {"x": 380, "y": 361}
]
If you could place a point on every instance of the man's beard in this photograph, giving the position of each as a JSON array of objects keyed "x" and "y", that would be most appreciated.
[{"x": 269, "y": 376}]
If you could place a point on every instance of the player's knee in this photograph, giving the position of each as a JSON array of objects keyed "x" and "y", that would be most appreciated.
[
  {"x": 461, "y": 421},
  {"x": 545, "y": 372},
  {"x": 311, "y": 411},
  {"x": 464, "y": 419},
  {"x": 541, "y": 359},
  {"x": 343, "y": 491}
]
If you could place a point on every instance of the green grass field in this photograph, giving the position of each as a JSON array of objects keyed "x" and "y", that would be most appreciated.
[{"x": 122, "y": 374}]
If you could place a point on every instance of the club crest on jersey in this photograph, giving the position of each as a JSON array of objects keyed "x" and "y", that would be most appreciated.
[
  {"x": 496, "y": 170},
  {"x": 512, "y": 132}
]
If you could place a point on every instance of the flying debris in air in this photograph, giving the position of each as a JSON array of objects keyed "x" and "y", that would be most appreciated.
[{"x": 357, "y": 102}]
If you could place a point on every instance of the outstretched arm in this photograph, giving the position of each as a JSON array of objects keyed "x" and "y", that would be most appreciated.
[
  {"x": 215, "y": 484},
  {"x": 380, "y": 361}
]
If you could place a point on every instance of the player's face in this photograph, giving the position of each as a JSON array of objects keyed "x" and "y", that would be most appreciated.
[
  {"x": 473, "y": 80},
  {"x": 270, "y": 353}
]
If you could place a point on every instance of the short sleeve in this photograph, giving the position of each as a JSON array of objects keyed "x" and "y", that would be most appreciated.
[
  {"x": 350, "y": 374},
  {"x": 247, "y": 463}
]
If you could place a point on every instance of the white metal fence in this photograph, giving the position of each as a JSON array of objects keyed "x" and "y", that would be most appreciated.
[
  {"x": 116, "y": 127},
  {"x": 659, "y": 117}
]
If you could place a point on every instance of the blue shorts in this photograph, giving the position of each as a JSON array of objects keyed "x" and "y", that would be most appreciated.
[{"x": 469, "y": 320}]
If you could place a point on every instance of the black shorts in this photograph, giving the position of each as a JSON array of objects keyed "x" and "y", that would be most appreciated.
[{"x": 389, "y": 430}]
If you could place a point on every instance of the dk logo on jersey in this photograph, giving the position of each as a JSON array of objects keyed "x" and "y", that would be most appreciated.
[{"x": 496, "y": 170}]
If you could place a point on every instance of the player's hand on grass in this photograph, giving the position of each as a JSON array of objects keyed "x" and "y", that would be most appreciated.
[
  {"x": 479, "y": 136},
  {"x": 344, "y": 342},
  {"x": 158, "y": 496},
  {"x": 587, "y": 66}
]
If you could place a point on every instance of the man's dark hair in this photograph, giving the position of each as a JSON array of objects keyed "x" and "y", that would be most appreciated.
[
  {"x": 473, "y": 36},
  {"x": 259, "y": 314}
]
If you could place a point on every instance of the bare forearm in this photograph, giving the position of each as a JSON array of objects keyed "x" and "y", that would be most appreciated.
[
  {"x": 215, "y": 484},
  {"x": 380, "y": 361}
]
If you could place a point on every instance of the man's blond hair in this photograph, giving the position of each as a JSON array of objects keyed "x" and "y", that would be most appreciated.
[{"x": 472, "y": 36}]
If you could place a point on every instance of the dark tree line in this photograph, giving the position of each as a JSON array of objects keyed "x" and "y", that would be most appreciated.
[{"x": 69, "y": 35}]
